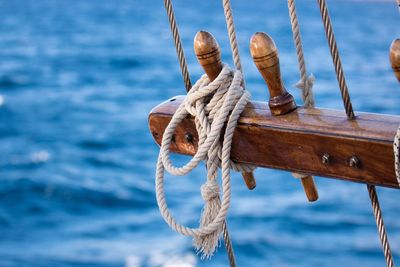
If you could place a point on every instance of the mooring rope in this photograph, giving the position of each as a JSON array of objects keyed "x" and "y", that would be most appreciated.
[
  {"x": 228, "y": 99},
  {"x": 350, "y": 114}
]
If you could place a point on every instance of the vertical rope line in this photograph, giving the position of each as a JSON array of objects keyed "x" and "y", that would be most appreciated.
[
  {"x": 380, "y": 225},
  {"x": 350, "y": 114},
  {"x": 232, "y": 36},
  {"x": 336, "y": 59},
  {"x": 178, "y": 44},
  {"x": 307, "y": 94},
  {"x": 236, "y": 59},
  {"x": 188, "y": 84}
]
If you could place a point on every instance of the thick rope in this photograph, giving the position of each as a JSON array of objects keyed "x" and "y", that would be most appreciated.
[
  {"x": 236, "y": 60},
  {"x": 232, "y": 34},
  {"x": 186, "y": 77},
  {"x": 336, "y": 59},
  {"x": 227, "y": 103},
  {"x": 350, "y": 114},
  {"x": 381, "y": 225},
  {"x": 178, "y": 43}
]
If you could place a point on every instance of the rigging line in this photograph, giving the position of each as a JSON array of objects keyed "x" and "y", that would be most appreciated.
[
  {"x": 188, "y": 84},
  {"x": 380, "y": 225},
  {"x": 336, "y": 59},
  {"x": 305, "y": 83},
  {"x": 350, "y": 114},
  {"x": 232, "y": 36},
  {"x": 178, "y": 44}
]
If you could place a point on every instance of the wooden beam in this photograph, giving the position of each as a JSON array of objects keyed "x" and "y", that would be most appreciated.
[{"x": 299, "y": 140}]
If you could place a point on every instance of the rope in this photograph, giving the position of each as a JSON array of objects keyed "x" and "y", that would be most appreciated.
[
  {"x": 380, "y": 224},
  {"x": 336, "y": 59},
  {"x": 305, "y": 83},
  {"x": 227, "y": 103},
  {"x": 236, "y": 59},
  {"x": 186, "y": 77},
  {"x": 178, "y": 44},
  {"x": 232, "y": 34},
  {"x": 396, "y": 149},
  {"x": 350, "y": 114}
]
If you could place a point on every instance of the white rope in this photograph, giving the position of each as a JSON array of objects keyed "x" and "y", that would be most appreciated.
[
  {"x": 306, "y": 82},
  {"x": 396, "y": 149},
  {"x": 227, "y": 103}
]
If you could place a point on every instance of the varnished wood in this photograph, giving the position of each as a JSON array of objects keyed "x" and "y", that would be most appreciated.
[
  {"x": 265, "y": 56},
  {"x": 208, "y": 54},
  {"x": 395, "y": 57},
  {"x": 297, "y": 141},
  {"x": 310, "y": 188}
]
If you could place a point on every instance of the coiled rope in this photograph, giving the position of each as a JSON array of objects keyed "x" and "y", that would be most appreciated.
[
  {"x": 350, "y": 114},
  {"x": 227, "y": 103}
]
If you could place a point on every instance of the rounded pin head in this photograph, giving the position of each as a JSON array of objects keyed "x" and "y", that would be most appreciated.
[
  {"x": 208, "y": 53},
  {"x": 205, "y": 44},
  {"x": 261, "y": 45},
  {"x": 395, "y": 57}
]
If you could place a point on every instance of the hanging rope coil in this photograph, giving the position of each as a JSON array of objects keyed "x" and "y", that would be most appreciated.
[{"x": 227, "y": 103}]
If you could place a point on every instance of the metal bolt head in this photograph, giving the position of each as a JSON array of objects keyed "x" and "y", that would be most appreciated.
[
  {"x": 354, "y": 162},
  {"x": 326, "y": 158},
  {"x": 189, "y": 137}
]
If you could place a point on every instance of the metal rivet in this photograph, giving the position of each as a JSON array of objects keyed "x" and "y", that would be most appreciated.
[
  {"x": 354, "y": 162},
  {"x": 326, "y": 158},
  {"x": 189, "y": 137}
]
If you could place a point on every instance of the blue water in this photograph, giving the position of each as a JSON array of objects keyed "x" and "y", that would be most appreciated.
[{"x": 77, "y": 80}]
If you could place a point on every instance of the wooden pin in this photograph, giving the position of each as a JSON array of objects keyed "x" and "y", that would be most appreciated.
[
  {"x": 209, "y": 56},
  {"x": 395, "y": 57},
  {"x": 265, "y": 56}
]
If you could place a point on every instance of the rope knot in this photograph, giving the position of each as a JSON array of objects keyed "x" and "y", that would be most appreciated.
[
  {"x": 210, "y": 190},
  {"x": 216, "y": 107}
]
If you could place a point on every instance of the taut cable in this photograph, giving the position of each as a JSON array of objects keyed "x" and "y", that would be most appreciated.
[{"x": 350, "y": 114}]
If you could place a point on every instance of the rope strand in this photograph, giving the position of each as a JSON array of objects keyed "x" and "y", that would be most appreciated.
[{"x": 305, "y": 83}]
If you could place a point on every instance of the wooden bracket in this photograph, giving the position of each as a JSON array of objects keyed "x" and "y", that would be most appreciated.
[{"x": 314, "y": 141}]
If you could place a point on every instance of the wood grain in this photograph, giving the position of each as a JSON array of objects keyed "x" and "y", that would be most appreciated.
[{"x": 297, "y": 141}]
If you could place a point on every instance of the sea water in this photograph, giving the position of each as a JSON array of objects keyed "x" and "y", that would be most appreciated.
[{"x": 77, "y": 160}]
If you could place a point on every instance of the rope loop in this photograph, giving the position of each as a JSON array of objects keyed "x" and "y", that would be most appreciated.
[{"x": 214, "y": 105}]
